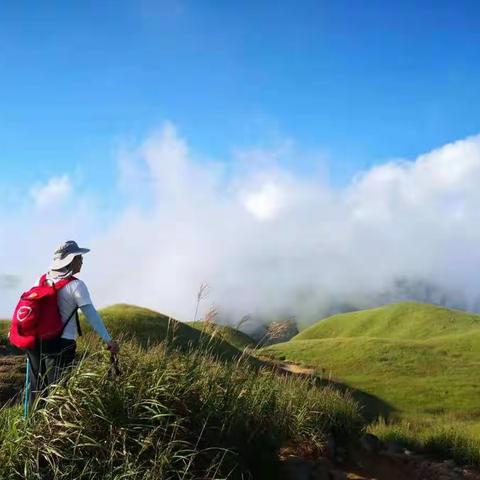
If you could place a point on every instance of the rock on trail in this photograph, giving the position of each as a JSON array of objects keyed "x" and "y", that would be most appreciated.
[{"x": 377, "y": 466}]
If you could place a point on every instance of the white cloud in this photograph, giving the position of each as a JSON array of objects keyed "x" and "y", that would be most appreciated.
[
  {"x": 53, "y": 193},
  {"x": 265, "y": 239},
  {"x": 266, "y": 202}
]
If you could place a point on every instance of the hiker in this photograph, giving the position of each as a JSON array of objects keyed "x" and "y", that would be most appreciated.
[{"x": 49, "y": 358}]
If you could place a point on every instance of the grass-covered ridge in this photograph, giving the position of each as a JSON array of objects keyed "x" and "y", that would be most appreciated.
[
  {"x": 229, "y": 334},
  {"x": 172, "y": 414},
  {"x": 405, "y": 320},
  {"x": 149, "y": 327}
]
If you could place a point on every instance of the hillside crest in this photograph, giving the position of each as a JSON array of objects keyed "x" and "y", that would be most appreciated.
[{"x": 404, "y": 320}]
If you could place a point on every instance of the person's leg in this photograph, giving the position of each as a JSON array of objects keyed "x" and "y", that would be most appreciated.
[
  {"x": 36, "y": 375},
  {"x": 59, "y": 359},
  {"x": 50, "y": 350},
  {"x": 67, "y": 356},
  {"x": 49, "y": 361}
]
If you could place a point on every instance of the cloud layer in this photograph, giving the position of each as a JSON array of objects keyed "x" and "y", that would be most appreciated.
[
  {"x": 53, "y": 193},
  {"x": 267, "y": 240}
]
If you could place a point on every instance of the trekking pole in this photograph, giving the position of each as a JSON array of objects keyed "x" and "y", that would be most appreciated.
[
  {"x": 27, "y": 389},
  {"x": 114, "y": 365}
]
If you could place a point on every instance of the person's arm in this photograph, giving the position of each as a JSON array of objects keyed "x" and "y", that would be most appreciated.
[
  {"x": 94, "y": 319},
  {"x": 85, "y": 304}
]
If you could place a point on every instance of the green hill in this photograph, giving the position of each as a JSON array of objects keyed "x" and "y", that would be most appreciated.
[
  {"x": 406, "y": 320},
  {"x": 419, "y": 358},
  {"x": 229, "y": 334},
  {"x": 149, "y": 328}
]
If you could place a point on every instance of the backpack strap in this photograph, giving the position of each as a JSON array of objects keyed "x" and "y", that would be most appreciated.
[
  {"x": 61, "y": 283},
  {"x": 57, "y": 285},
  {"x": 79, "y": 330},
  {"x": 75, "y": 312}
]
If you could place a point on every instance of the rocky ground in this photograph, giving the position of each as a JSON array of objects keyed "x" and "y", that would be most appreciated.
[{"x": 374, "y": 466}]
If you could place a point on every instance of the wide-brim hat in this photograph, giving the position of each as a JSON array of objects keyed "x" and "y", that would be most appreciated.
[{"x": 65, "y": 254}]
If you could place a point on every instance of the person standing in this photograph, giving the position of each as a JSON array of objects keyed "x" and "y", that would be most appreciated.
[{"x": 50, "y": 359}]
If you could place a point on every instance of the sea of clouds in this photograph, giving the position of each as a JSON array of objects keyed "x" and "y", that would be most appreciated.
[{"x": 267, "y": 240}]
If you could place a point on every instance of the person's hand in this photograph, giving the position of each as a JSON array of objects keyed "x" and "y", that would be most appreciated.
[{"x": 112, "y": 345}]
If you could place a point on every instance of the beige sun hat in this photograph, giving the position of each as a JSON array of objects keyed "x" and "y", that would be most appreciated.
[{"x": 65, "y": 254}]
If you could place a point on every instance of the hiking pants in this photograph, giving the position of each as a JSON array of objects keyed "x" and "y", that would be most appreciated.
[{"x": 49, "y": 361}]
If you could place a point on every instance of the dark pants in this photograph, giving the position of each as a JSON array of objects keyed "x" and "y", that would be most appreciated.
[{"x": 49, "y": 361}]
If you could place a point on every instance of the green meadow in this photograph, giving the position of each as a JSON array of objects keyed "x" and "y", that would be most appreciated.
[{"x": 421, "y": 361}]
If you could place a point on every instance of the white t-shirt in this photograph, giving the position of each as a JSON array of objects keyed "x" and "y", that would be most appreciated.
[{"x": 72, "y": 296}]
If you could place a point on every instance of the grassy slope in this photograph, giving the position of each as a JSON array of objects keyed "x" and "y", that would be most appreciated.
[
  {"x": 148, "y": 327},
  {"x": 419, "y": 358},
  {"x": 406, "y": 320},
  {"x": 229, "y": 334}
]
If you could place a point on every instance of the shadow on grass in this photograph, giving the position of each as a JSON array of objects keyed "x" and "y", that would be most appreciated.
[{"x": 372, "y": 407}]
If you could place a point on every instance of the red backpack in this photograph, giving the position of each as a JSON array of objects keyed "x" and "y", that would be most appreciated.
[{"x": 37, "y": 316}]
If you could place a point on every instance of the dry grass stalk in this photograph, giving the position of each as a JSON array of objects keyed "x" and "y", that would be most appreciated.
[
  {"x": 278, "y": 329},
  {"x": 211, "y": 315},
  {"x": 243, "y": 320},
  {"x": 202, "y": 293}
]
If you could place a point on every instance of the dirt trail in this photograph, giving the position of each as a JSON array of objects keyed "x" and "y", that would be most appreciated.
[
  {"x": 384, "y": 466},
  {"x": 295, "y": 468},
  {"x": 297, "y": 369},
  {"x": 373, "y": 466}
]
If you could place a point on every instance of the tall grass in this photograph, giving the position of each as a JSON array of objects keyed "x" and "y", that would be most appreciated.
[
  {"x": 447, "y": 439},
  {"x": 4, "y": 327},
  {"x": 171, "y": 415}
]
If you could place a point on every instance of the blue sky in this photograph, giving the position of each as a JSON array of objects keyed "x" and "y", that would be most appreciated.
[
  {"x": 360, "y": 82},
  {"x": 227, "y": 135}
]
